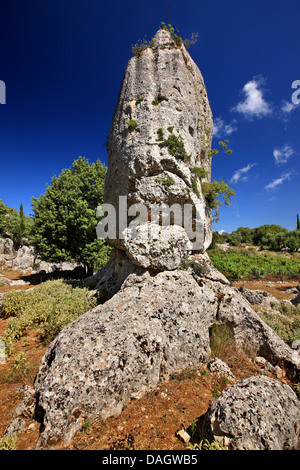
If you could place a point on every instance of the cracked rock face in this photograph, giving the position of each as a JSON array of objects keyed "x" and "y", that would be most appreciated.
[
  {"x": 161, "y": 130},
  {"x": 257, "y": 413}
]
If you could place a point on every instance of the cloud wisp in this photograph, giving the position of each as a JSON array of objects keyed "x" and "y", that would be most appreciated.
[
  {"x": 253, "y": 104},
  {"x": 276, "y": 182},
  {"x": 221, "y": 129},
  {"x": 283, "y": 154},
  {"x": 241, "y": 174}
]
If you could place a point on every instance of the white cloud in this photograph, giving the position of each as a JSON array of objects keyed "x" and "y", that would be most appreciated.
[
  {"x": 273, "y": 184},
  {"x": 288, "y": 106},
  {"x": 241, "y": 173},
  {"x": 254, "y": 103},
  {"x": 221, "y": 129},
  {"x": 282, "y": 155}
]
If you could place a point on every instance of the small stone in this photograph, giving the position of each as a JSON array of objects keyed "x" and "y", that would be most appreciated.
[{"x": 183, "y": 436}]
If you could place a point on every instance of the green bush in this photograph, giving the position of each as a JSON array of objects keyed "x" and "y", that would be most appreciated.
[
  {"x": 132, "y": 125},
  {"x": 175, "y": 146},
  {"x": 286, "y": 324},
  {"x": 49, "y": 307}
]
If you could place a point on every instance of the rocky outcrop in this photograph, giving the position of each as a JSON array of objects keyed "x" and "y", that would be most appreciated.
[
  {"x": 257, "y": 413},
  {"x": 155, "y": 326},
  {"x": 161, "y": 131}
]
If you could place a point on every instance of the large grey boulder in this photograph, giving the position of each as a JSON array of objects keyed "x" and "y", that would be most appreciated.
[
  {"x": 257, "y": 413},
  {"x": 162, "y": 101}
]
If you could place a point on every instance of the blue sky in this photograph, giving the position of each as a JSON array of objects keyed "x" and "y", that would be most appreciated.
[{"x": 63, "y": 63}]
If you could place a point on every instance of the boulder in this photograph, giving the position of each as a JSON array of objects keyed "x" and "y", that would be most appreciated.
[
  {"x": 155, "y": 247},
  {"x": 257, "y": 413}
]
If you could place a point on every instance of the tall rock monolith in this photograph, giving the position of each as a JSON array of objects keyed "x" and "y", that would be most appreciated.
[{"x": 160, "y": 135}]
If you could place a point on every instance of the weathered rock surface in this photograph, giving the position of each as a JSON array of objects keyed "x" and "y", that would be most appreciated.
[
  {"x": 220, "y": 368},
  {"x": 257, "y": 413},
  {"x": 155, "y": 326},
  {"x": 6, "y": 246},
  {"x": 157, "y": 247},
  {"x": 164, "y": 95}
]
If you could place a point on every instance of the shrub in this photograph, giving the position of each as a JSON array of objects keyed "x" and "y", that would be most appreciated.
[
  {"x": 13, "y": 303},
  {"x": 49, "y": 307},
  {"x": 214, "y": 192},
  {"x": 139, "y": 100},
  {"x": 8, "y": 442},
  {"x": 200, "y": 172},
  {"x": 140, "y": 46},
  {"x": 287, "y": 323},
  {"x": 165, "y": 181},
  {"x": 175, "y": 146},
  {"x": 132, "y": 125},
  {"x": 195, "y": 187},
  {"x": 160, "y": 134},
  {"x": 221, "y": 340},
  {"x": 18, "y": 368}
]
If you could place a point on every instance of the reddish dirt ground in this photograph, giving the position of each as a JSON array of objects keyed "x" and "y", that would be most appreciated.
[{"x": 150, "y": 423}]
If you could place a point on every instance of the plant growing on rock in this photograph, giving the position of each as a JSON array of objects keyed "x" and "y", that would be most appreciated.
[
  {"x": 175, "y": 146},
  {"x": 217, "y": 194},
  {"x": 132, "y": 125}
]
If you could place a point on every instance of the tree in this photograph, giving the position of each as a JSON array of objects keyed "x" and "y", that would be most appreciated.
[
  {"x": 65, "y": 216},
  {"x": 3, "y": 212},
  {"x": 298, "y": 222}
]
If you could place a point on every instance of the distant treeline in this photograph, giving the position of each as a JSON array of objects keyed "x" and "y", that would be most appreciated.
[{"x": 271, "y": 237}]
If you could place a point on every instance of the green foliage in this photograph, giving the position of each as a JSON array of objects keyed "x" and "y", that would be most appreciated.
[
  {"x": 140, "y": 46},
  {"x": 165, "y": 181},
  {"x": 201, "y": 173},
  {"x": 14, "y": 223},
  {"x": 178, "y": 39},
  {"x": 190, "y": 42},
  {"x": 287, "y": 323},
  {"x": 132, "y": 125},
  {"x": 18, "y": 368},
  {"x": 205, "y": 444},
  {"x": 155, "y": 102},
  {"x": 249, "y": 265},
  {"x": 197, "y": 441},
  {"x": 8, "y": 442},
  {"x": 217, "y": 194},
  {"x": 175, "y": 146},
  {"x": 221, "y": 339},
  {"x": 195, "y": 186},
  {"x": 198, "y": 268},
  {"x": 139, "y": 100},
  {"x": 48, "y": 307},
  {"x": 13, "y": 303},
  {"x": 65, "y": 217},
  {"x": 160, "y": 134}
]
